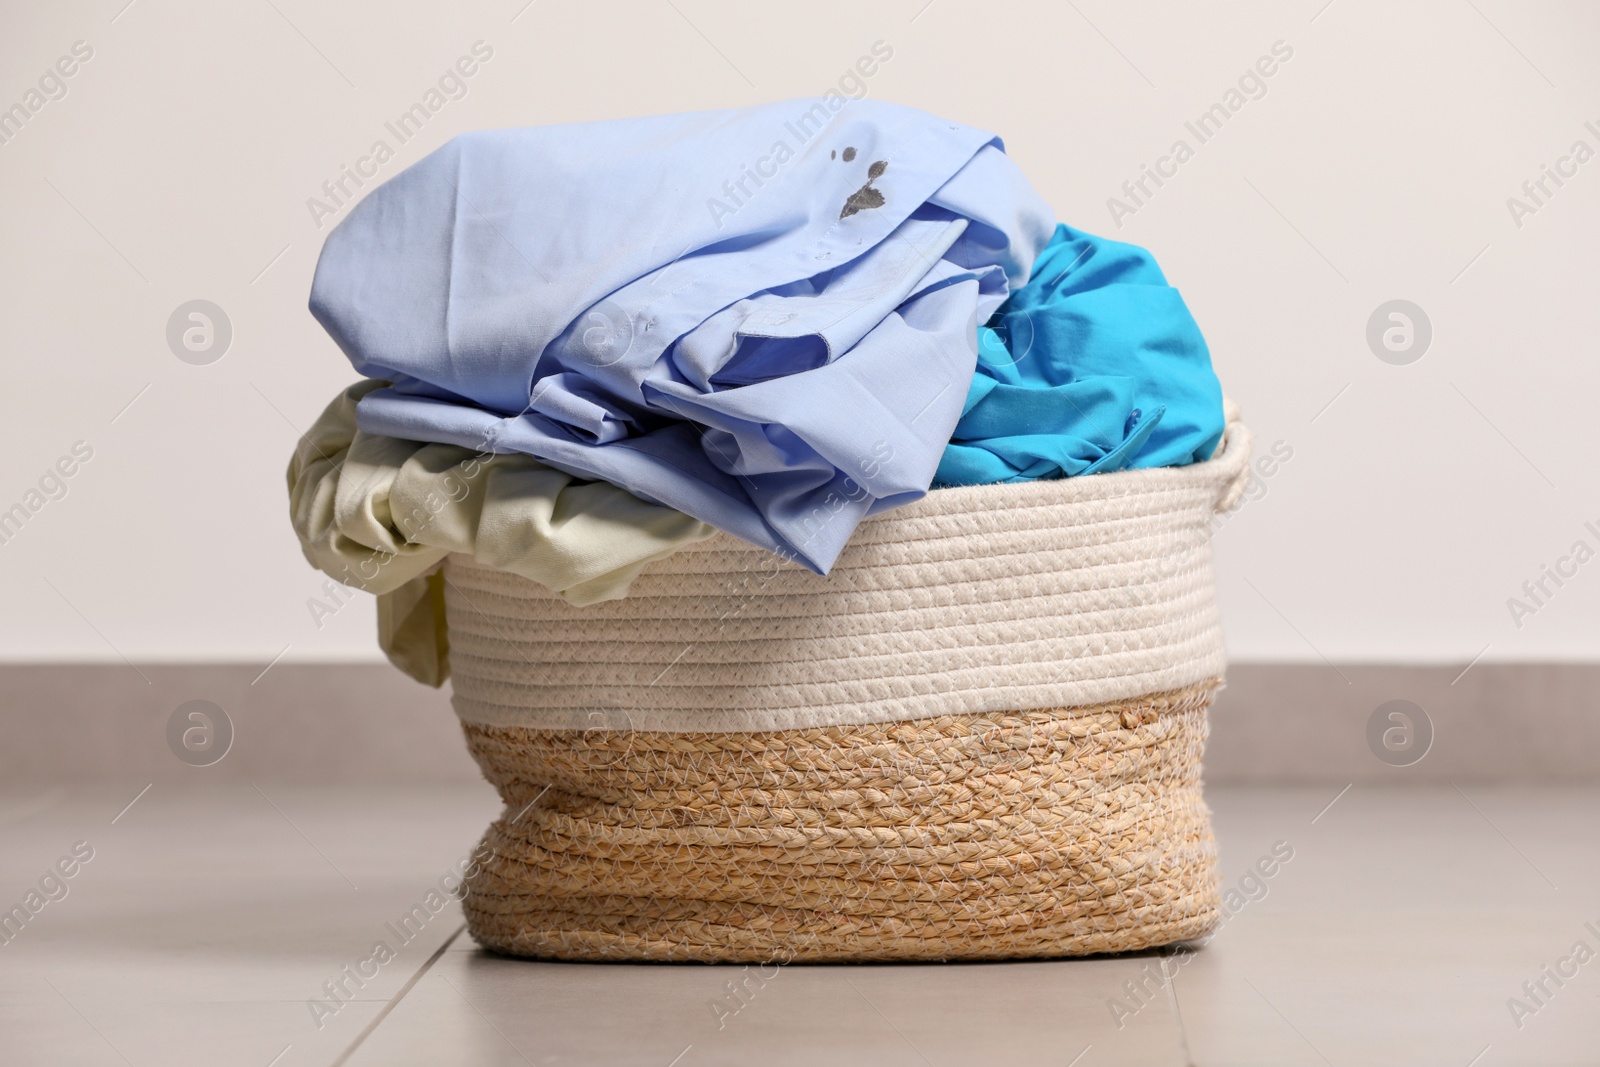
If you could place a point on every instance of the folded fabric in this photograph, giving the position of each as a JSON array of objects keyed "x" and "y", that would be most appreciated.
[
  {"x": 1094, "y": 365},
  {"x": 762, "y": 318},
  {"x": 380, "y": 514}
]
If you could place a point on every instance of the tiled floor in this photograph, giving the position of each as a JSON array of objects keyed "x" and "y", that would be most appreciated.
[{"x": 207, "y": 919}]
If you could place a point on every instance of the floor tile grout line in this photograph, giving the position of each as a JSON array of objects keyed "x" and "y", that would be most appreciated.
[
  {"x": 394, "y": 1000},
  {"x": 1177, "y": 1009}
]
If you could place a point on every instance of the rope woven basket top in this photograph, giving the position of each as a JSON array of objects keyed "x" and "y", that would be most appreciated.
[{"x": 1043, "y": 594}]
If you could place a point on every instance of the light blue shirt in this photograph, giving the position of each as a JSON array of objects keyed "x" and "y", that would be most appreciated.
[{"x": 764, "y": 318}]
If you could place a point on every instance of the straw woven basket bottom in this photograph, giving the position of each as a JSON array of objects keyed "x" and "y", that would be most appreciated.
[{"x": 1013, "y": 834}]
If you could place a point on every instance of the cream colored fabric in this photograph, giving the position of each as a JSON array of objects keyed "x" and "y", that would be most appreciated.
[
  {"x": 380, "y": 514},
  {"x": 412, "y": 630},
  {"x": 1044, "y": 594}
]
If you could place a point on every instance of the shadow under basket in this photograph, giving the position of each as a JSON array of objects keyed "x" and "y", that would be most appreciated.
[{"x": 979, "y": 738}]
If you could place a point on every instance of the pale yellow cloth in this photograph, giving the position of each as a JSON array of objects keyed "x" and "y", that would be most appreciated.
[{"x": 380, "y": 514}]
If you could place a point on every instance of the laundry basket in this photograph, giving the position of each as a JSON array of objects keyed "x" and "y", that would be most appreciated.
[{"x": 979, "y": 737}]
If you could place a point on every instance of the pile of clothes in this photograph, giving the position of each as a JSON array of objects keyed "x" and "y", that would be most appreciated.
[{"x": 584, "y": 347}]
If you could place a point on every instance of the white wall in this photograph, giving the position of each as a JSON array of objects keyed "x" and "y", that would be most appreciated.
[{"x": 1377, "y": 166}]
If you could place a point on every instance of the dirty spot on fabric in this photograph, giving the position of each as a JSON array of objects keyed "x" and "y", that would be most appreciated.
[
  {"x": 866, "y": 196},
  {"x": 832, "y": 154},
  {"x": 849, "y": 154}
]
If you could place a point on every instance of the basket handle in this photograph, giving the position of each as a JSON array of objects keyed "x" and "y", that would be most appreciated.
[{"x": 1232, "y": 458}]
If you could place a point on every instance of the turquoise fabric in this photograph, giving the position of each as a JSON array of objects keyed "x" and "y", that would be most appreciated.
[{"x": 1094, "y": 365}]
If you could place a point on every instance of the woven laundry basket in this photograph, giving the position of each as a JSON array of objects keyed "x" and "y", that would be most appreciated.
[{"x": 978, "y": 738}]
